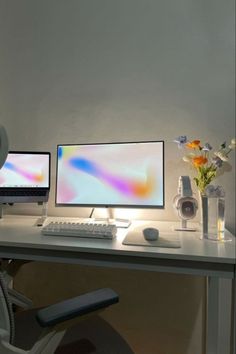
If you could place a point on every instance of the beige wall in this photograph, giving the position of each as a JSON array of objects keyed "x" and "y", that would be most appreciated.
[
  {"x": 82, "y": 71},
  {"x": 77, "y": 71}
]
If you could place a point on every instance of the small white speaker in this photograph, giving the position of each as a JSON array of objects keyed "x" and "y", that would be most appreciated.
[{"x": 185, "y": 205}]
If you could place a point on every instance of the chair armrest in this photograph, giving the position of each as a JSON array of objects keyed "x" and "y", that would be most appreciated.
[{"x": 77, "y": 306}]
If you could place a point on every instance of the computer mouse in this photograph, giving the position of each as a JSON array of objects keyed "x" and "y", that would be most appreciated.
[{"x": 151, "y": 234}]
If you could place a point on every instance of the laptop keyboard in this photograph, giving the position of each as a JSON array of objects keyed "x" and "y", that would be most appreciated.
[{"x": 16, "y": 193}]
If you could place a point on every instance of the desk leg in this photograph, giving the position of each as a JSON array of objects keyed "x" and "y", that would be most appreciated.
[
  {"x": 233, "y": 331},
  {"x": 219, "y": 316}
]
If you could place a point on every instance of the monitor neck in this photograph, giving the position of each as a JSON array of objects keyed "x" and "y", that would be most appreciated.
[{"x": 110, "y": 219}]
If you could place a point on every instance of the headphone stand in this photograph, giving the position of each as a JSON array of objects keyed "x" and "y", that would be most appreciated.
[{"x": 184, "y": 227}]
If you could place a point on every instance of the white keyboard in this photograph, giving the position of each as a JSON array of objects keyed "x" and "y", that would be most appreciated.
[{"x": 79, "y": 229}]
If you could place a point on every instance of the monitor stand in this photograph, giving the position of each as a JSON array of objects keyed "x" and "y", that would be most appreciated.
[
  {"x": 43, "y": 217},
  {"x": 184, "y": 227},
  {"x": 39, "y": 221},
  {"x": 123, "y": 223},
  {"x": 2, "y": 205}
]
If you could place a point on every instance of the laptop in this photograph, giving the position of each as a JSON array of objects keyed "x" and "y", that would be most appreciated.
[{"x": 25, "y": 177}]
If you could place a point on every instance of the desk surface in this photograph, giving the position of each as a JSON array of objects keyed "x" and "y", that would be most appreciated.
[{"x": 20, "y": 239}]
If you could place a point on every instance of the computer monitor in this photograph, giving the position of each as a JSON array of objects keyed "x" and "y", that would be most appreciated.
[
  {"x": 127, "y": 174},
  {"x": 25, "y": 177}
]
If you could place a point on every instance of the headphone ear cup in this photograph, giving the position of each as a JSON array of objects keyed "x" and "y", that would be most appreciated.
[
  {"x": 176, "y": 201},
  {"x": 186, "y": 207}
]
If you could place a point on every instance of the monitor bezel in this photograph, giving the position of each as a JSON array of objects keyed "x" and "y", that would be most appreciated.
[
  {"x": 121, "y": 206},
  {"x": 32, "y": 188}
]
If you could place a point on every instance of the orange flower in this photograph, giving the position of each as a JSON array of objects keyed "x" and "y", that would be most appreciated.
[
  {"x": 193, "y": 144},
  {"x": 199, "y": 161}
]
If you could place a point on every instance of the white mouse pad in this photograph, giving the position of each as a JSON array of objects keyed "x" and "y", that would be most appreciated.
[{"x": 135, "y": 237}]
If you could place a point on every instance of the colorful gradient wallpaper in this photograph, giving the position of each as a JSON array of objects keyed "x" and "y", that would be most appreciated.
[
  {"x": 123, "y": 174},
  {"x": 25, "y": 170}
]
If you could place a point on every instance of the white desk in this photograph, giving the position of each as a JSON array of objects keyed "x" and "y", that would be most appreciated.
[{"x": 20, "y": 239}]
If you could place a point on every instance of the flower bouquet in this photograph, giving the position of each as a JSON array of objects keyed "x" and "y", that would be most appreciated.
[{"x": 204, "y": 160}]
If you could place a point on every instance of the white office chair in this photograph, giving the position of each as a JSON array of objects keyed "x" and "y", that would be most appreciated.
[
  {"x": 61, "y": 328},
  {"x": 3, "y": 145},
  {"x": 47, "y": 326}
]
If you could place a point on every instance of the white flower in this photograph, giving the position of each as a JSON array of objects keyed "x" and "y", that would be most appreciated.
[
  {"x": 181, "y": 141},
  {"x": 207, "y": 147},
  {"x": 188, "y": 158},
  {"x": 221, "y": 155},
  {"x": 232, "y": 144}
]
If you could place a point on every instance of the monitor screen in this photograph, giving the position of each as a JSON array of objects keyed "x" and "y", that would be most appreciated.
[
  {"x": 111, "y": 175},
  {"x": 25, "y": 171}
]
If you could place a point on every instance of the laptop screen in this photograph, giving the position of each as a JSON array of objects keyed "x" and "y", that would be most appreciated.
[{"x": 24, "y": 171}]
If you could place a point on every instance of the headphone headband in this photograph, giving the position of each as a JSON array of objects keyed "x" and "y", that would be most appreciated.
[{"x": 184, "y": 188}]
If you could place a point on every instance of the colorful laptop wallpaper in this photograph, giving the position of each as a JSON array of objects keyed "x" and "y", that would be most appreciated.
[{"x": 25, "y": 170}]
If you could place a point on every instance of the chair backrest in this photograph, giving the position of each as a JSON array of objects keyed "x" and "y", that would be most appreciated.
[
  {"x": 6, "y": 313},
  {"x": 3, "y": 145}
]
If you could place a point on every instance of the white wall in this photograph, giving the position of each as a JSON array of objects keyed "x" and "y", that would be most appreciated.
[
  {"x": 97, "y": 71},
  {"x": 77, "y": 71}
]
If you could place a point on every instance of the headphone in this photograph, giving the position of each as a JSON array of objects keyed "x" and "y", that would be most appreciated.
[{"x": 184, "y": 203}]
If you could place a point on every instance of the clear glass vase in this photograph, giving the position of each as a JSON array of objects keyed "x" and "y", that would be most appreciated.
[{"x": 213, "y": 218}]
